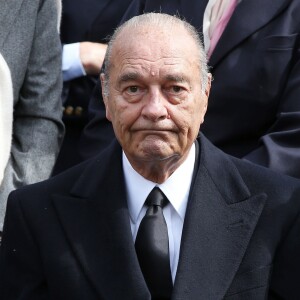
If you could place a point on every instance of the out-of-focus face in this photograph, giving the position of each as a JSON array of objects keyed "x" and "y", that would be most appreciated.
[{"x": 155, "y": 102}]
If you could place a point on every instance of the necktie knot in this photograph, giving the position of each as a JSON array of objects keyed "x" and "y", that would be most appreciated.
[{"x": 156, "y": 198}]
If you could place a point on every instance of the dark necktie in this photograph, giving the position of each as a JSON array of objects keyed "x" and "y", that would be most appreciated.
[{"x": 152, "y": 247}]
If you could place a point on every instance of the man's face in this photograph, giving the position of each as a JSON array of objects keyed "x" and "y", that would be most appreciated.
[{"x": 155, "y": 102}]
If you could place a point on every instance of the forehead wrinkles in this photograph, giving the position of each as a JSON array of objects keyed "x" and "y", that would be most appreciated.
[
  {"x": 151, "y": 64},
  {"x": 146, "y": 50},
  {"x": 134, "y": 68},
  {"x": 154, "y": 43},
  {"x": 159, "y": 61},
  {"x": 149, "y": 51}
]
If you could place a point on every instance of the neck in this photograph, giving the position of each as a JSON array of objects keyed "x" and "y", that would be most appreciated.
[{"x": 157, "y": 170}]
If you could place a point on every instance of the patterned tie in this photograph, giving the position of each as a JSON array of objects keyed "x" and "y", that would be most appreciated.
[
  {"x": 152, "y": 247},
  {"x": 220, "y": 14}
]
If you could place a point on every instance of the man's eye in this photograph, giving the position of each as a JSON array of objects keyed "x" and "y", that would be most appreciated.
[
  {"x": 133, "y": 89},
  {"x": 176, "y": 89}
]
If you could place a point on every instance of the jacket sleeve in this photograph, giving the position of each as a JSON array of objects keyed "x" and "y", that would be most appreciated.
[
  {"x": 279, "y": 148},
  {"x": 37, "y": 125},
  {"x": 286, "y": 270}
]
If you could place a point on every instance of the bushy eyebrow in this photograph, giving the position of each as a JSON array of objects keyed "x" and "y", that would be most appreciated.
[
  {"x": 177, "y": 78},
  {"x": 128, "y": 77}
]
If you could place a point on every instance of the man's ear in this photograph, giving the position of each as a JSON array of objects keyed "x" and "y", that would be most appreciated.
[
  {"x": 105, "y": 95},
  {"x": 208, "y": 85},
  {"x": 206, "y": 92},
  {"x": 207, "y": 89}
]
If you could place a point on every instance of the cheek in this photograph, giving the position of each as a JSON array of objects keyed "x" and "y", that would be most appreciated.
[
  {"x": 188, "y": 120},
  {"x": 124, "y": 117},
  {"x": 185, "y": 117},
  {"x": 202, "y": 111}
]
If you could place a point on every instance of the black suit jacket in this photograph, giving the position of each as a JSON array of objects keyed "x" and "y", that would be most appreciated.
[
  {"x": 70, "y": 237},
  {"x": 254, "y": 108}
]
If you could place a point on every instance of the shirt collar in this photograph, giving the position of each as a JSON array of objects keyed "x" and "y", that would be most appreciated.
[{"x": 176, "y": 187}]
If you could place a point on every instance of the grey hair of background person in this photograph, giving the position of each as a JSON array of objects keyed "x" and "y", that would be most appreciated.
[{"x": 166, "y": 22}]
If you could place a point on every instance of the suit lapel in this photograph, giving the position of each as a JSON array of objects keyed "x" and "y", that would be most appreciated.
[
  {"x": 8, "y": 13},
  {"x": 219, "y": 222},
  {"x": 243, "y": 23},
  {"x": 96, "y": 223}
]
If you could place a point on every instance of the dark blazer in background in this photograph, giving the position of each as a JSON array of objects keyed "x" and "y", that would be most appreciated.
[
  {"x": 70, "y": 237},
  {"x": 94, "y": 21},
  {"x": 254, "y": 107}
]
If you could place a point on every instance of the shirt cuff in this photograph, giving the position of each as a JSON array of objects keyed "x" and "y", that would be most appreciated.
[{"x": 71, "y": 63}]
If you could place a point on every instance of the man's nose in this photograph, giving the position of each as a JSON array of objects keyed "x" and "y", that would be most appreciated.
[{"x": 155, "y": 106}]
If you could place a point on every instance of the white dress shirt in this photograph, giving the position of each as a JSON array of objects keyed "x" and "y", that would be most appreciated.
[
  {"x": 176, "y": 188},
  {"x": 71, "y": 63}
]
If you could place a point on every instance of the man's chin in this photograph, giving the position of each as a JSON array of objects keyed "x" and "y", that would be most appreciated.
[
  {"x": 157, "y": 157},
  {"x": 157, "y": 154}
]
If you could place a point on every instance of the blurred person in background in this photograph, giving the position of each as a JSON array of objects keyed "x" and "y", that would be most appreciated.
[
  {"x": 85, "y": 29},
  {"x": 31, "y": 129}
]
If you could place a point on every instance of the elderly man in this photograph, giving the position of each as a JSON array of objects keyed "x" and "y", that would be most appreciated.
[{"x": 162, "y": 213}]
